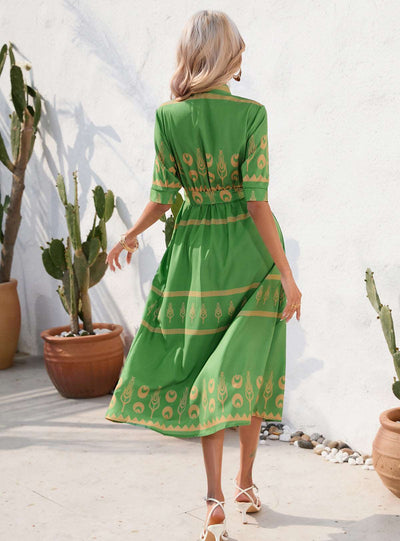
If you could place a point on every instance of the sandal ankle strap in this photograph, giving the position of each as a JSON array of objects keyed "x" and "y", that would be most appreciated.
[
  {"x": 213, "y": 499},
  {"x": 244, "y": 490}
]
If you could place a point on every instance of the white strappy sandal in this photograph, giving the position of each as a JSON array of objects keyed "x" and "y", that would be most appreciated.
[
  {"x": 218, "y": 530},
  {"x": 250, "y": 506}
]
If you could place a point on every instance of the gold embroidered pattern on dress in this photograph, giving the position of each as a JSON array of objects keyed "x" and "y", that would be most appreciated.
[
  {"x": 254, "y": 178},
  {"x": 204, "y": 161},
  {"x": 222, "y": 390},
  {"x": 268, "y": 389},
  {"x": 184, "y": 331},
  {"x": 182, "y": 403},
  {"x": 187, "y": 158},
  {"x": 201, "y": 165},
  {"x": 205, "y": 221},
  {"x": 155, "y": 401},
  {"x": 203, "y": 312},
  {"x": 164, "y": 314},
  {"x": 127, "y": 393},
  {"x": 213, "y": 293},
  {"x": 259, "y": 313},
  {"x": 221, "y": 166},
  {"x": 207, "y": 402}
]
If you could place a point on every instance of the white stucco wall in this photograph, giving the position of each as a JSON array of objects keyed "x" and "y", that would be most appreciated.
[{"x": 326, "y": 72}]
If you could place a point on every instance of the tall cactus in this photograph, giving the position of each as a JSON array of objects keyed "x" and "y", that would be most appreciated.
[
  {"x": 385, "y": 316},
  {"x": 24, "y": 122},
  {"x": 79, "y": 265}
]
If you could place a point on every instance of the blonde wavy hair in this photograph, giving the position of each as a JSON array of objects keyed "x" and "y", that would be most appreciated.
[{"x": 209, "y": 53}]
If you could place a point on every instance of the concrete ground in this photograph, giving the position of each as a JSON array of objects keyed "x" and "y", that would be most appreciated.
[{"x": 66, "y": 473}]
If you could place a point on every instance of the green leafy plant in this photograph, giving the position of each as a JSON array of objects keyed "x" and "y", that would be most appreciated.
[
  {"x": 170, "y": 221},
  {"x": 79, "y": 265},
  {"x": 385, "y": 316},
  {"x": 24, "y": 122}
]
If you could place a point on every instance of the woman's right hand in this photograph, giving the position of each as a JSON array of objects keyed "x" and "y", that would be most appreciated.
[{"x": 293, "y": 297}]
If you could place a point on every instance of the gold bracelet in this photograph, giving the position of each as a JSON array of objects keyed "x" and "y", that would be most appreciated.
[{"x": 122, "y": 241}]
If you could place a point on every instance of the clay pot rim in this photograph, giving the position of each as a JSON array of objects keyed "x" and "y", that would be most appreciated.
[
  {"x": 49, "y": 334},
  {"x": 388, "y": 419},
  {"x": 11, "y": 283}
]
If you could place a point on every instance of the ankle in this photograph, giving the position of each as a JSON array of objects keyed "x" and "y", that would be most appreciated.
[
  {"x": 218, "y": 495},
  {"x": 244, "y": 481}
]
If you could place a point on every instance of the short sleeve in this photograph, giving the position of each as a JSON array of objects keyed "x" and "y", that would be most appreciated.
[
  {"x": 166, "y": 182},
  {"x": 255, "y": 166}
]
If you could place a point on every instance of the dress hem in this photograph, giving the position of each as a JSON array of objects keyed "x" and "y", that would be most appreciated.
[{"x": 196, "y": 434}]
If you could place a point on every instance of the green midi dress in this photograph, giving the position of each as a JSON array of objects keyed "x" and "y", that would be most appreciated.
[{"x": 210, "y": 351}]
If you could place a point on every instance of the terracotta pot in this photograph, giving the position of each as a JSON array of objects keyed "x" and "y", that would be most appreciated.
[
  {"x": 84, "y": 366},
  {"x": 386, "y": 450},
  {"x": 10, "y": 322}
]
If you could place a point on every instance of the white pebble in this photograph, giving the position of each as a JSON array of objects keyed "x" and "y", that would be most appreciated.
[
  {"x": 296, "y": 443},
  {"x": 262, "y": 442},
  {"x": 365, "y": 467},
  {"x": 352, "y": 461},
  {"x": 369, "y": 461},
  {"x": 285, "y": 436},
  {"x": 334, "y": 451},
  {"x": 359, "y": 460},
  {"x": 324, "y": 453},
  {"x": 371, "y": 467},
  {"x": 286, "y": 428},
  {"x": 328, "y": 449},
  {"x": 273, "y": 437}
]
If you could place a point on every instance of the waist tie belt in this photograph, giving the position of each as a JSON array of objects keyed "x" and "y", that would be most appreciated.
[{"x": 213, "y": 197}]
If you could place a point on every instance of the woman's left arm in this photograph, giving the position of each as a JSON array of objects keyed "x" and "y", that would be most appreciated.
[{"x": 151, "y": 213}]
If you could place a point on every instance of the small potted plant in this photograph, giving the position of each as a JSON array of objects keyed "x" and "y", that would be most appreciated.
[
  {"x": 24, "y": 122},
  {"x": 386, "y": 445},
  {"x": 81, "y": 362}
]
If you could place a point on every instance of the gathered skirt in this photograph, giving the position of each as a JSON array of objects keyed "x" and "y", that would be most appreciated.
[{"x": 210, "y": 351}]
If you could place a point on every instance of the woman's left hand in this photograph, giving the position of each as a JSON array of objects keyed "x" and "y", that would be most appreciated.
[{"x": 113, "y": 255}]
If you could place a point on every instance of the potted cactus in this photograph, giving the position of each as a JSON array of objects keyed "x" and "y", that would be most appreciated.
[
  {"x": 386, "y": 445},
  {"x": 24, "y": 121},
  {"x": 81, "y": 362}
]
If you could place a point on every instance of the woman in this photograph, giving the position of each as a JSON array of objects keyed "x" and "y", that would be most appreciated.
[{"x": 210, "y": 350}]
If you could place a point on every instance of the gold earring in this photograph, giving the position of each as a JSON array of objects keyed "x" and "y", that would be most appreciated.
[{"x": 237, "y": 75}]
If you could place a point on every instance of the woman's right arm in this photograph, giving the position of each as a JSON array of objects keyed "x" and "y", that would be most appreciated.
[{"x": 263, "y": 218}]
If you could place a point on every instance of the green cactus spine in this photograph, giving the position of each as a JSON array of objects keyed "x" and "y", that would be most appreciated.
[
  {"x": 385, "y": 316},
  {"x": 80, "y": 265}
]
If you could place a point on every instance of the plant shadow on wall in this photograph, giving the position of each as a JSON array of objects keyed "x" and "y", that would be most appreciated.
[
  {"x": 41, "y": 209},
  {"x": 97, "y": 37},
  {"x": 78, "y": 155}
]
